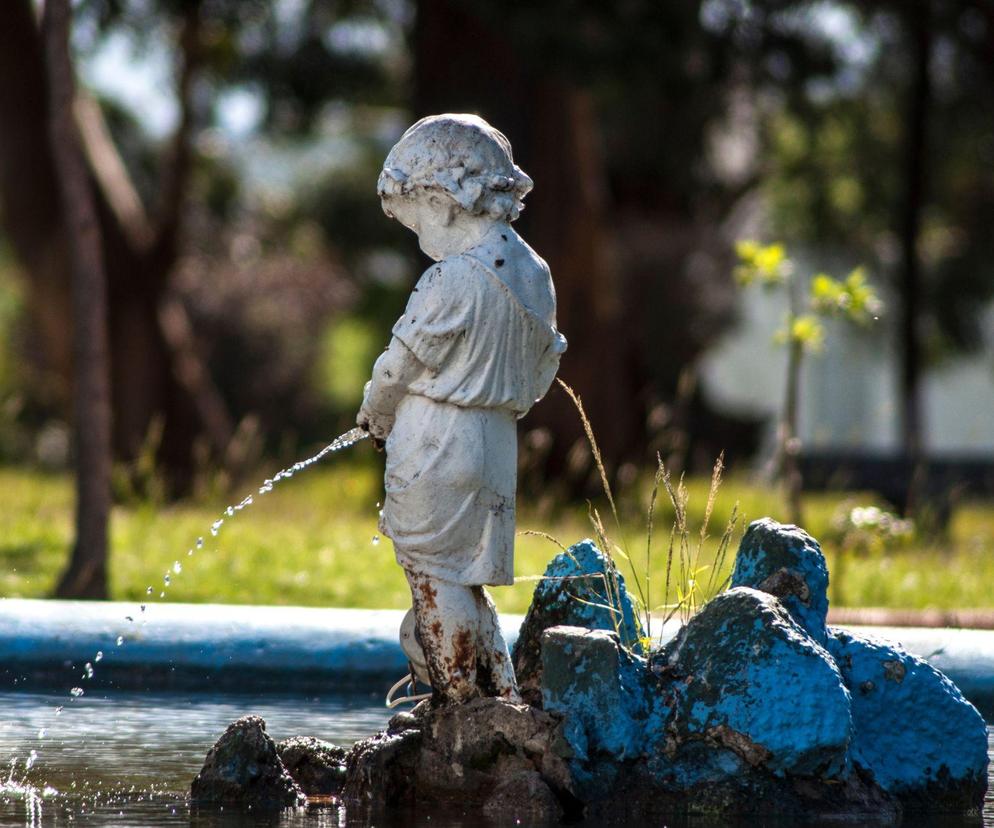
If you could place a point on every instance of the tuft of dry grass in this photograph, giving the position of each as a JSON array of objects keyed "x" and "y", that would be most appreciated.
[{"x": 691, "y": 594}]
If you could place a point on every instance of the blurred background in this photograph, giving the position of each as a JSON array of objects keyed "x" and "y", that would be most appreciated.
[{"x": 232, "y": 150}]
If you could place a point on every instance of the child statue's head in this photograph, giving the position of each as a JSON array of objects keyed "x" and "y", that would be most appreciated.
[{"x": 459, "y": 160}]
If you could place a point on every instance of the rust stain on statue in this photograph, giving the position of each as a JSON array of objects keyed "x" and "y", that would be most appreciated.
[
  {"x": 464, "y": 651},
  {"x": 428, "y": 594}
]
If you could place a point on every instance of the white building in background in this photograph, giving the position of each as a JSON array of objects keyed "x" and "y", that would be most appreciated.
[{"x": 850, "y": 398}]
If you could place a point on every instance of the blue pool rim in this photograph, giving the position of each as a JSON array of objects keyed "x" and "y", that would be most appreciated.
[{"x": 46, "y": 644}]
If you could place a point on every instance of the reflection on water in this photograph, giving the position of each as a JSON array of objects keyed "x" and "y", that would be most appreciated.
[{"x": 128, "y": 758}]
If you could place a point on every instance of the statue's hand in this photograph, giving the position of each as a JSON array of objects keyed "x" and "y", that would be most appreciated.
[{"x": 379, "y": 426}]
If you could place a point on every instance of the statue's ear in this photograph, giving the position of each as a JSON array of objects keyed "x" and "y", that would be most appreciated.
[
  {"x": 469, "y": 193},
  {"x": 449, "y": 179},
  {"x": 448, "y": 212}
]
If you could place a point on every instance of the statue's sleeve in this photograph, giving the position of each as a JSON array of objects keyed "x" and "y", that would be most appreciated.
[{"x": 439, "y": 314}]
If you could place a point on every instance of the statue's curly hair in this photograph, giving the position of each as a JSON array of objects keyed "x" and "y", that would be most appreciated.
[{"x": 462, "y": 157}]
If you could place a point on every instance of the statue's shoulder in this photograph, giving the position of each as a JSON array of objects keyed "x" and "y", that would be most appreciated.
[{"x": 521, "y": 269}]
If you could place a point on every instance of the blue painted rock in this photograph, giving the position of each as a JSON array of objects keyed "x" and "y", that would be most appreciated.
[
  {"x": 787, "y": 562},
  {"x": 580, "y": 588},
  {"x": 914, "y": 731},
  {"x": 600, "y": 690},
  {"x": 748, "y": 677}
]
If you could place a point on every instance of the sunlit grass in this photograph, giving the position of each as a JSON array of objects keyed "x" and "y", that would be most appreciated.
[{"x": 310, "y": 542}]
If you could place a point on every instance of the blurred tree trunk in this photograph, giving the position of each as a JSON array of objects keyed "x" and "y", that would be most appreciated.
[
  {"x": 154, "y": 368},
  {"x": 86, "y": 576},
  {"x": 29, "y": 190},
  {"x": 553, "y": 128},
  {"x": 917, "y": 25}
]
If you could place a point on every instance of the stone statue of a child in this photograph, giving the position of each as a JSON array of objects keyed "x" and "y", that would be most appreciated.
[{"x": 476, "y": 347}]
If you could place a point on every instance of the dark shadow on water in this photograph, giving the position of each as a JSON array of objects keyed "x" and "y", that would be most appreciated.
[{"x": 128, "y": 759}]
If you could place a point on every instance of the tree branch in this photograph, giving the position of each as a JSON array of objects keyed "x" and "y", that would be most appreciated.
[
  {"x": 176, "y": 170},
  {"x": 110, "y": 172}
]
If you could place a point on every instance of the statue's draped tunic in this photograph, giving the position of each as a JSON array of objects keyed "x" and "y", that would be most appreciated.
[{"x": 451, "y": 456}]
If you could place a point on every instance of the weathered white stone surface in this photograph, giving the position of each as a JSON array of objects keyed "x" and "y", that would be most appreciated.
[{"x": 476, "y": 347}]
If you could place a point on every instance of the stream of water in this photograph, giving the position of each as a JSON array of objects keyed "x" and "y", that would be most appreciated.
[
  {"x": 22, "y": 759},
  {"x": 102, "y": 759}
]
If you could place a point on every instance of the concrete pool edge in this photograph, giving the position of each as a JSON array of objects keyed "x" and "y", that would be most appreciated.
[{"x": 45, "y": 644}]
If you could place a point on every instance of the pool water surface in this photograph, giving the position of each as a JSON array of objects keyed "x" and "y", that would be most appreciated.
[{"x": 127, "y": 759}]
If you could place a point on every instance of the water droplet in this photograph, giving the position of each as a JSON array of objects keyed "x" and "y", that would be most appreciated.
[
  {"x": 177, "y": 567},
  {"x": 32, "y": 758},
  {"x": 120, "y": 638},
  {"x": 76, "y": 692},
  {"x": 148, "y": 590},
  {"x": 378, "y": 504},
  {"x": 41, "y": 733},
  {"x": 216, "y": 526},
  {"x": 162, "y": 595},
  {"x": 99, "y": 656},
  {"x": 376, "y": 540},
  {"x": 380, "y": 513},
  {"x": 143, "y": 607},
  {"x": 230, "y": 511},
  {"x": 88, "y": 670},
  {"x": 166, "y": 579},
  {"x": 189, "y": 553},
  {"x": 200, "y": 543}
]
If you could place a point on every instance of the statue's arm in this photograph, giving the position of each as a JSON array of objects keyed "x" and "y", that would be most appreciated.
[{"x": 394, "y": 370}]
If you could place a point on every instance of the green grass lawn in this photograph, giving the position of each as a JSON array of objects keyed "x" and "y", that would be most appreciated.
[{"x": 311, "y": 542}]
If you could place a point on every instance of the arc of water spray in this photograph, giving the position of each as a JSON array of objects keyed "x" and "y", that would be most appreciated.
[{"x": 343, "y": 441}]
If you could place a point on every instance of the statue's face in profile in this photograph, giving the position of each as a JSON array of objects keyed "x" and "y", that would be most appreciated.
[
  {"x": 403, "y": 210},
  {"x": 441, "y": 226}
]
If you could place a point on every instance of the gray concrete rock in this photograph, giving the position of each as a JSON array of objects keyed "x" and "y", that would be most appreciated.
[
  {"x": 460, "y": 754},
  {"x": 244, "y": 768},
  {"x": 317, "y": 767},
  {"x": 523, "y": 799}
]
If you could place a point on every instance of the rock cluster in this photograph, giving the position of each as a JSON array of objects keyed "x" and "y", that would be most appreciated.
[
  {"x": 756, "y": 706},
  {"x": 486, "y": 754}
]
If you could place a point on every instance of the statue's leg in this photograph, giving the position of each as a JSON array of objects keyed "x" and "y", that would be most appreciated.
[
  {"x": 493, "y": 654},
  {"x": 448, "y": 622}
]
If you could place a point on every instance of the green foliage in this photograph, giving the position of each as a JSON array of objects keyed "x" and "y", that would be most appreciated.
[
  {"x": 837, "y": 160},
  {"x": 852, "y": 299},
  {"x": 870, "y": 529},
  {"x": 768, "y": 265},
  {"x": 310, "y": 543},
  {"x": 348, "y": 350}
]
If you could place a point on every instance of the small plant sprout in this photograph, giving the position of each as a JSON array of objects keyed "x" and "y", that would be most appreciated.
[
  {"x": 852, "y": 299},
  {"x": 692, "y": 581}
]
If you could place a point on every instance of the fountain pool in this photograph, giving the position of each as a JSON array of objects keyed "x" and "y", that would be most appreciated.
[
  {"x": 128, "y": 758},
  {"x": 119, "y": 758}
]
